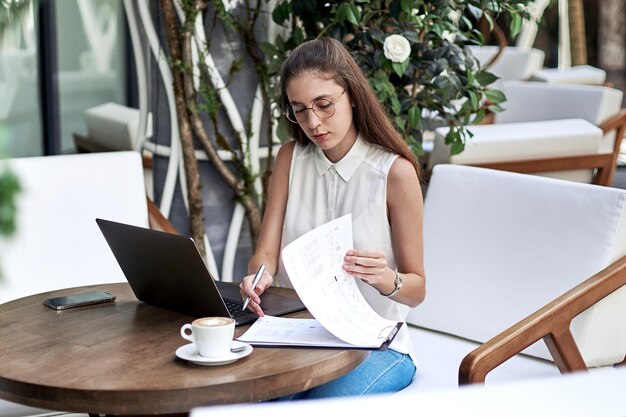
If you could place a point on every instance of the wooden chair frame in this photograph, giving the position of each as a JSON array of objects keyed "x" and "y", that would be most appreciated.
[
  {"x": 157, "y": 220},
  {"x": 604, "y": 164},
  {"x": 550, "y": 323}
]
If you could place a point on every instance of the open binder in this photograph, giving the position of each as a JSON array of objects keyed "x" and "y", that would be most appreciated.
[
  {"x": 343, "y": 318},
  {"x": 270, "y": 331}
]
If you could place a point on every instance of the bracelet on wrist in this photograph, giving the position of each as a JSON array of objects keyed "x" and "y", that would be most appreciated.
[{"x": 397, "y": 284}]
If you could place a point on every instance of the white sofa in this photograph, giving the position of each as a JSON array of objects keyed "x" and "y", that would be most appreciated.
[
  {"x": 58, "y": 244},
  {"x": 549, "y": 129}
]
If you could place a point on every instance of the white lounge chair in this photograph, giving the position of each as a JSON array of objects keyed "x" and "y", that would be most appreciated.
[
  {"x": 499, "y": 249},
  {"x": 562, "y": 130}
]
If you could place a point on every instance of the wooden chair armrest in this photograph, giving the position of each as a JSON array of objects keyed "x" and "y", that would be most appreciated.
[
  {"x": 602, "y": 162},
  {"x": 551, "y": 323},
  {"x": 157, "y": 220},
  {"x": 615, "y": 122},
  {"x": 489, "y": 119}
]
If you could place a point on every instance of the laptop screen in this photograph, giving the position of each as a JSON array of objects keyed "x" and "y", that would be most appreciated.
[{"x": 167, "y": 271}]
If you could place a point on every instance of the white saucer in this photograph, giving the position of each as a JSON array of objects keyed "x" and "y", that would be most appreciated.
[{"x": 189, "y": 353}]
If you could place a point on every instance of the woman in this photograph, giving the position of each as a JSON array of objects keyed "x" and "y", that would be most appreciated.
[{"x": 346, "y": 158}]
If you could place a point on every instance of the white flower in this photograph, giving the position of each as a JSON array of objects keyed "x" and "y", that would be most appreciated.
[
  {"x": 397, "y": 48},
  {"x": 449, "y": 36},
  {"x": 230, "y": 4}
]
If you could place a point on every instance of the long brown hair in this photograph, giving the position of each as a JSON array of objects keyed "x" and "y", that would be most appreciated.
[{"x": 329, "y": 56}]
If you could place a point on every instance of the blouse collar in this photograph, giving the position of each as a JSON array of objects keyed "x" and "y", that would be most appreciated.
[{"x": 347, "y": 165}]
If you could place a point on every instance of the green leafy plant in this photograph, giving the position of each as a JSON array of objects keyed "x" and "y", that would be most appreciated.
[
  {"x": 9, "y": 187},
  {"x": 414, "y": 54}
]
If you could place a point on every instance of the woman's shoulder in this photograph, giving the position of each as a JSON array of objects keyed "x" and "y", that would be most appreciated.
[
  {"x": 287, "y": 148},
  {"x": 402, "y": 179},
  {"x": 379, "y": 157},
  {"x": 285, "y": 154},
  {"x": 402, "y": 168},
  {"x": 293, "y": 150},
  {"x": 296, "y": 150},
  {"x": 293, "y": 146},
  {"x": 396, "y": 167}
]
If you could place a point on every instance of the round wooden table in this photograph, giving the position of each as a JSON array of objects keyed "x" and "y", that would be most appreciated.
[{"x": 119, "y": 358}]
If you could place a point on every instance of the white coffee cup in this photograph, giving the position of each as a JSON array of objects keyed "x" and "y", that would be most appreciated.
[{"x": 212, "y": 336}]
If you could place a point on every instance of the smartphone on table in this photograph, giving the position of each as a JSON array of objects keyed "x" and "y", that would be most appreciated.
[{"x": 79, "y": 300}]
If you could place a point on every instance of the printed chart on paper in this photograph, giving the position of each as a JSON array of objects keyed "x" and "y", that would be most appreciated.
[{"x": 314, "y": 263}]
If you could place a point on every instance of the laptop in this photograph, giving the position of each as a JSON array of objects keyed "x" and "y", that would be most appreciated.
[{"x": 167, "y": 271}]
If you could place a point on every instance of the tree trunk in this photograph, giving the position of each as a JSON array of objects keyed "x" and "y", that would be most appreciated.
[
  {"x": 194, "y": 189},
  {"x": 187, "y": 95},
  {"x": 578, "y": 38},
  {"x": 612, "y": 34}
]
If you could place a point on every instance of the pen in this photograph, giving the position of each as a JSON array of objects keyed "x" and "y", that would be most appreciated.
[{"x": 255, "y": 281}]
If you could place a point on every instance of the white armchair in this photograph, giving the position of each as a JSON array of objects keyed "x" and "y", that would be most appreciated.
[
  {"x": 499, "y": 249},
  {"x": 532, "y": 135},
  {"x": 526, "y": 64},
  {"x": 536, "y": 101},
  {"x": 579, "y": 74}
]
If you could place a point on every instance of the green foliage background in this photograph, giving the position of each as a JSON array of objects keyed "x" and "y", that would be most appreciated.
[
  {"x": 440, "y": 76},
  {"x": 9, "y": 187}
]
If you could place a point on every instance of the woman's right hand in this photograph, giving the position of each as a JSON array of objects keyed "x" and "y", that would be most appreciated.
[{"x": 247, "y": 291}]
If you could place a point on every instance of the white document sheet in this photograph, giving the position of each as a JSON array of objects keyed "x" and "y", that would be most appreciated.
[
  {"x": 282, "y": 331},
  {"x": 314, "y": 263}
]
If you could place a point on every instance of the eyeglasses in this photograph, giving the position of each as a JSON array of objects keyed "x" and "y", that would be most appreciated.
[{"x": 322, "y": 108}]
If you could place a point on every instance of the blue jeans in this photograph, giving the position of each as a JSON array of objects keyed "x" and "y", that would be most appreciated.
[{"x": 383, "y": 371}]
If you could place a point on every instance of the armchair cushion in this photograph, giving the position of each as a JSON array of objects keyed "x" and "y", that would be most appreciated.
[
  {"x": 499, "y": 246},
  {"x": 522, "y": 141},
  {"x": 580, "y": 395},
  {"x": 580, "y": 74},
  {"x": 537, "y": 101},
  {"x": 438, "y": 356},
  {"x": 533, "y": 102},
  {"x": 9, "y": 409}
]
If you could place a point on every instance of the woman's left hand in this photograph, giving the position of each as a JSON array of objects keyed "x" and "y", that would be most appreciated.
[{"x": 368, "y": 265}]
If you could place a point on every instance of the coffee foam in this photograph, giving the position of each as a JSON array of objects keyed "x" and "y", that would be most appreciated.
[{"x": 213, "y": 321}]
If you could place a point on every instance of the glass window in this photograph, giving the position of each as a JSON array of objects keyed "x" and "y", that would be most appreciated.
[
  {"x": 90, "y": 60},
  {"x": 20, "y": 125}
]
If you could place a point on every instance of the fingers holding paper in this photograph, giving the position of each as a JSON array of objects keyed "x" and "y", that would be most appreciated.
[{"x": 368, "y": 265}]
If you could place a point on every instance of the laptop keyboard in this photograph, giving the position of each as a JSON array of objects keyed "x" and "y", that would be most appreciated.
[{"x": 235, "y": 308}]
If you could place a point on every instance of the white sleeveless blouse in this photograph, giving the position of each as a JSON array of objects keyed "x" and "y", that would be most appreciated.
[{"x": 320, "y": 191}]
